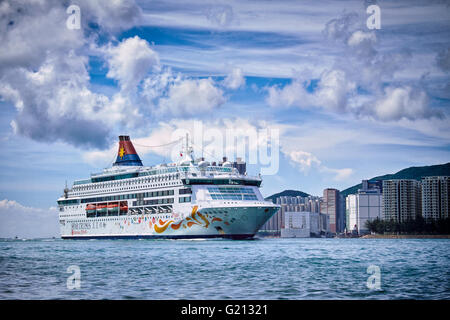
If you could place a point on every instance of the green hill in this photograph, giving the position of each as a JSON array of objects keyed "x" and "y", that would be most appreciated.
[
  {"x": 409, "y": 173},
  {"x": 288, "y": 193}
]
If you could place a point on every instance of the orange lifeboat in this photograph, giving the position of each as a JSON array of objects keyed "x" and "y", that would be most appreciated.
[
  {"x": 90, "y": 208},
  {"x": 101, "y": 207},
  {"x": 112, "y": 207},
  {"x": 123, "y": 207}
]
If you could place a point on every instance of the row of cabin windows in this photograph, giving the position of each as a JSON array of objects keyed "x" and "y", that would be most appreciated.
[
  {"x": 68, "y": 202},
  {"x": 154, "y": 201},
  {"x": 141, "y": 195},
  {"x": 127, "y": 188},
  {"x": 184, "y": 199},
  {"x": 126, "y": 183}
]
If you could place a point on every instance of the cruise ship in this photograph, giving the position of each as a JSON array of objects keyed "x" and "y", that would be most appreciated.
[{"x": 187, "y": 199}]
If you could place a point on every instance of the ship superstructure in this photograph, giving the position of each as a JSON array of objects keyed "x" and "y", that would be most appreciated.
[{"x": 187, "y": 199}]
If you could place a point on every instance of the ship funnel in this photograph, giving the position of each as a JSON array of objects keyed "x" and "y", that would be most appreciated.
[{"x": 127, "y": 155}]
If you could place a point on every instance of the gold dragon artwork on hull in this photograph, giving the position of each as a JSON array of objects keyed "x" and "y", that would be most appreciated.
[{"x": 195, "y": 218}]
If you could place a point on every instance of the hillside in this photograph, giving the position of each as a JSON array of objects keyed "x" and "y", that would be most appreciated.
[
  {"x": 409, "y": 173},
  {"x": 289, "y": 193}
]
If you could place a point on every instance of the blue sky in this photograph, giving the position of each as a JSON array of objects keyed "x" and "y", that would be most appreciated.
[{"x": 350, "y": 103}]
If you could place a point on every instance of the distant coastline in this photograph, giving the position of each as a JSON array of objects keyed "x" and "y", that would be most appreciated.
[{"x": 406, "y": 236}]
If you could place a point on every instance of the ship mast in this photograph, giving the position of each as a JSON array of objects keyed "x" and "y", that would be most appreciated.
[
  {"x": 189, "y": 149},
  {"x": 187, "y": 152}
]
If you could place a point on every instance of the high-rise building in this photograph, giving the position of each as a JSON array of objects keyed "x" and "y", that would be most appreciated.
[
  {"x": 341, "y": 212},
  {"x": 435, "y": 197},
  {"x": 372, "y": 184},
  {"x": 401, "y": 199},
  {"x": 333, "y": 207},
  {"x": 366, "y": 205},
  {"x": 289, "y": 204}
]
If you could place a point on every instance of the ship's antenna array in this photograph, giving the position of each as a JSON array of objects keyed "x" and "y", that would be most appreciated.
[{"x": 210, "y": 154}]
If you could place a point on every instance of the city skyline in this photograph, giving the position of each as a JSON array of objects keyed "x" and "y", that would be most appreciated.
[
  {"x": 397, "y": 201},
  {"x": 349, "y": 102}
]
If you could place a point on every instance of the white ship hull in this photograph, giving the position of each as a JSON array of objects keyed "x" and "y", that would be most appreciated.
[{"x": 237, "y": 222}]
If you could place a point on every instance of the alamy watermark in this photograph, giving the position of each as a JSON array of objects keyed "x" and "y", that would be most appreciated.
[
  {"x": 374, "y": 20},
  {"x": 258, "y": 146},
  {"x": 73, "y": 22},
  {"x": 374, "y": 280},
  {"x": 74, "y": 280}
]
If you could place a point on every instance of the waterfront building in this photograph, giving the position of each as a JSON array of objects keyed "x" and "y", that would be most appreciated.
[
  {"x": 341, "y": 213},
  {"x": 297, "y": 225},
  {"x": 289, "y": 204},
  {"x": 435, "y": 197},
  {"x": 365, "y": 205},
  {"x": 333, "y": 206},
  {"x": 305, "y": 224},
  {"x": 401, "y": 199}
]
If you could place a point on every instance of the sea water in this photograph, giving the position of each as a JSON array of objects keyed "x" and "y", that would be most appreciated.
[{"x": 225, "y": 269}]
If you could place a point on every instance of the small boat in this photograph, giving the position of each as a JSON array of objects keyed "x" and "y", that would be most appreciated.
[
  {"x": 123, "y": 207},
  {"x": 101, "y": 208},
  {"x": 90, "y": 208},
  {"x": 112, "y": 207}
]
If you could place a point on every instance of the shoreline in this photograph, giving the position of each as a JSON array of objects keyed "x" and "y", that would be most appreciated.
[{"x": 406, "y": 236}]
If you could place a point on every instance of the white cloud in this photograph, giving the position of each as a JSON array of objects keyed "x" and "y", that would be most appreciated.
[
  {"x": 112, "y": 15},
  {"x": 27, "y": 222},
  {"x": 359, "y": 37},
  {"x": 21, "y": 35},
  {"x": 191, "y": 97},
  {"x": 332, "y": 92},
  {"x": 156, "y": 85},
  {"x": 44, "y": 72},
  {"x": 54, "y": 102},
  {"x": 130, "y": 62},
  {"x": 436, "y": 131},
  {"x": 362, "y": 81},
  {"x": 293, "y": 94},
  {"x": 235, "y": 79},
  {"x": 304, "y": 160},
  {"x": 279, "y": 17},
  {"x": 402, "y": 102},
  {"x": 339, "y": 174},
  {"x": 166, "y": 93},
  {"x": 340, "y": 28}
]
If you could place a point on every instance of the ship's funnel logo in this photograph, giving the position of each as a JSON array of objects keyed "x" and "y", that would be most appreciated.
[{"x": 127, "y": 155}]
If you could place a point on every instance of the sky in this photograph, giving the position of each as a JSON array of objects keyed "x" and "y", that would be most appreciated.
[{"x": 347, "y": 102}]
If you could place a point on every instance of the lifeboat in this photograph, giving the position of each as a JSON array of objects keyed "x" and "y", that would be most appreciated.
[
  {"x": 112, "y": 207},
  {"x": 123, "y": 207},
  {"x": 90, "y": 208},
  {"x": 101, "y": 208}
]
